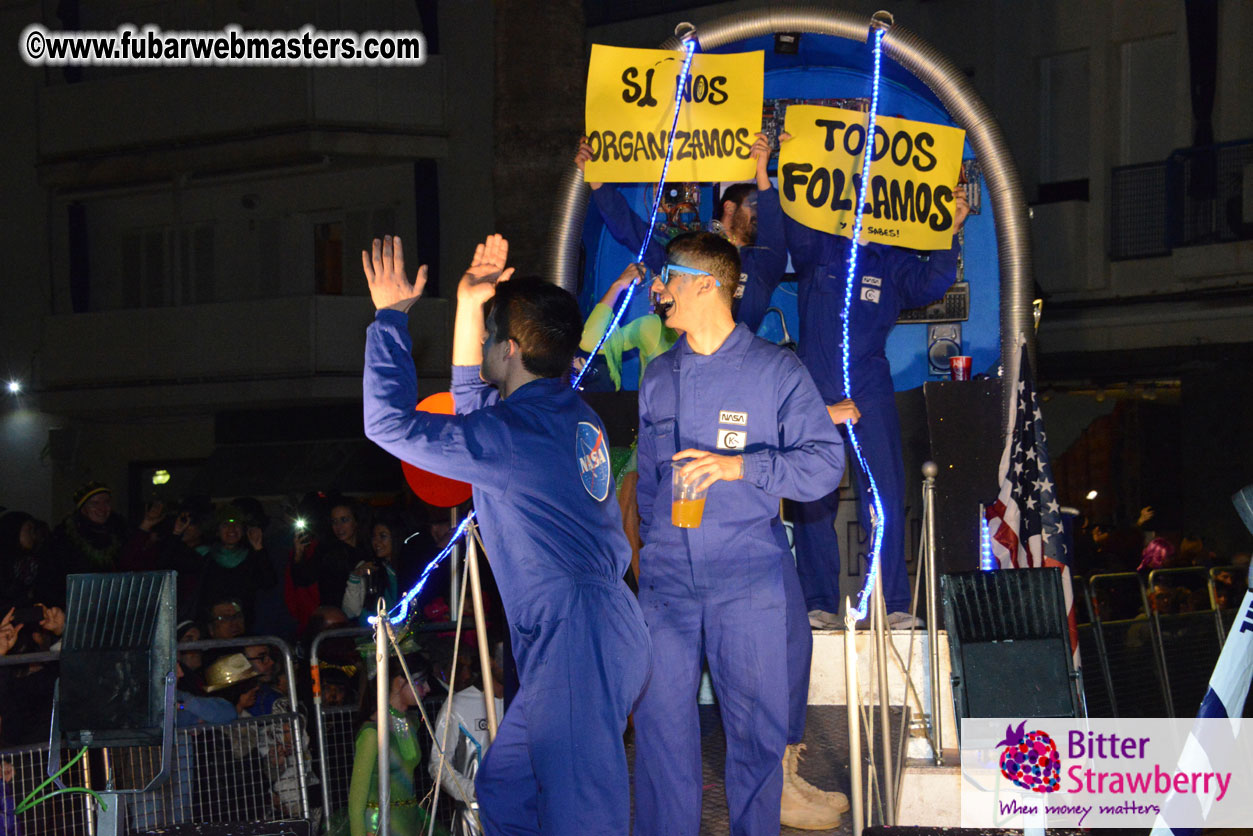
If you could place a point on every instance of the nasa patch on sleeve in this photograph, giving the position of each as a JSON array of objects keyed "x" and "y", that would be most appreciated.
[{"x": 592, "y": 451}]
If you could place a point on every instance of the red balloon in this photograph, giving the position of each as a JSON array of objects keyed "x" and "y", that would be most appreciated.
[{"x": 432, "y": 488}]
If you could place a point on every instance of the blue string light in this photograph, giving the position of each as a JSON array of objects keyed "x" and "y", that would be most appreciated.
[
  {"x": 689, "y": 47},
  {"x": 986, "y": 560},
  {"x": 400, "y": 612},
  {"x": 879, "y": 522}
]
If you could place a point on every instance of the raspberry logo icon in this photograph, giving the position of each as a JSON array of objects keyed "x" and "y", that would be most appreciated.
[{"x": 1030, "y": 759}]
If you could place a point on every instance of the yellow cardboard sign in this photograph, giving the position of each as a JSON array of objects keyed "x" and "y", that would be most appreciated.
[
  {"x": 630, "y": 107},
  {"x": 913, "y": 171}
]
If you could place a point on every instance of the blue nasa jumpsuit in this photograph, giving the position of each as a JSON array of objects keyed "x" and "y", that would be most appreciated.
[
  {"x": 539, "y": 467},
  {"x": 763, "y": 264},
  {"x": 719, "y": 588},
  {"x": 889, "y": 280}
]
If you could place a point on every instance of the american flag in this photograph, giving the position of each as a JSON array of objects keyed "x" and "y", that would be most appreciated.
[{"x": 1025, "y": 520}]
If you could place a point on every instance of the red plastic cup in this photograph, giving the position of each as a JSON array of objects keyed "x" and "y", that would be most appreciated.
[{"x": 959, "y": 367}]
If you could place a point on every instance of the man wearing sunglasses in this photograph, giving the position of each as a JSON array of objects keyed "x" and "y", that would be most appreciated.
[{"x": 749, "y": 423}]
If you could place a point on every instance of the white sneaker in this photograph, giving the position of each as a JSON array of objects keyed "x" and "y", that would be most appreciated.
[
  {"x": 823, "y": 620},
  {"x": 903, "y": 621}
]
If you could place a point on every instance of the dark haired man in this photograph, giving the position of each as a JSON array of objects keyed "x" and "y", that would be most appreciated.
[
  {"x": 537, "y": 458},
  {"x": 748, "y": 420}
]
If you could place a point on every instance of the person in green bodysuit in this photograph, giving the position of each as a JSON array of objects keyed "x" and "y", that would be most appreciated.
[
  {"x": 645, "y": 332},
  {"x": 407, "y": 815}
]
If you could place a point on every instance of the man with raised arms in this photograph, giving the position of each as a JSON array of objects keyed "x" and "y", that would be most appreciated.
[{"x": 537, "y": 457}]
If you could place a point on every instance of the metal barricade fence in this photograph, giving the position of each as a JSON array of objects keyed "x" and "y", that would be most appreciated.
[
  {"x": 253, "y": 769},
  {"x": 1189, "y": 633},
  {"x": 1133, "y": 668},
  {"x": 25, "y": 767},
  {"x": 337, "y": 725},
  {"x": 1096, "y": 682}
]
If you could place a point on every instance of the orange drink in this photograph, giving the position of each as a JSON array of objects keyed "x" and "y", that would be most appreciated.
[{"x": 686, "y": 513}]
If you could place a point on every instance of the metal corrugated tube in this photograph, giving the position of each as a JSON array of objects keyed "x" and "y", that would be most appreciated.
[{"x": 929, "y": 65}]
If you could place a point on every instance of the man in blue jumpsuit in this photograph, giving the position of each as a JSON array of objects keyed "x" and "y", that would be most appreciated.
[
  {"x": 538, "y": 460},
  {"x": 751, "y": 425},
  {"x": 889, "y": 280},
  {"x": 753, "y": 222}
]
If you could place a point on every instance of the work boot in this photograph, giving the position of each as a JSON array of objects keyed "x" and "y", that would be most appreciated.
[
  {"x": 837, "y": 801},
  {"x": 800, "y": 809}
]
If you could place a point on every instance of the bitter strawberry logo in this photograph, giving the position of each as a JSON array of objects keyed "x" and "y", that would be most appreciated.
[{"x": 1030, "y": 759}]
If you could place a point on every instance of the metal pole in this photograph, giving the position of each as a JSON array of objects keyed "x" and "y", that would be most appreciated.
[
  {"x": 316, "y": 674},
  {"x": 480, "y": 631},
  {"x": 929, "y": 471},
  {"x": 454, "y": 574},
  {"x": 887, "y": 787},
  {"x": 383, "y": 681},
  {"x": 853, "y": 697},
  {"x": 298, "y": 725}
]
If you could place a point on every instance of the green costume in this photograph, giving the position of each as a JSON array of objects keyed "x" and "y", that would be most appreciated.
[
  {"x": 645, "y": 333},
  {"x": 407, "y": 815}
]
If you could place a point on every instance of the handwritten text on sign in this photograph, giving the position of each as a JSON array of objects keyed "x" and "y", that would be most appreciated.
[
  {"x": 630, "y": 107},
  {"x": 913, "y": 171}
]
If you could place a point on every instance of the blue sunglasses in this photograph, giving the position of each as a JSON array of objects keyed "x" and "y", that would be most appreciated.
[{"x": 664, "y": 275}]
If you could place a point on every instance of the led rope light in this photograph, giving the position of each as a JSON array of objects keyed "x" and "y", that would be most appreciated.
[
  {"x": 689, "y": 46},
  {"x": 400, "y": 613},
  {"x": 986, "y": 561},
  {"x": 878, "y": 523}
]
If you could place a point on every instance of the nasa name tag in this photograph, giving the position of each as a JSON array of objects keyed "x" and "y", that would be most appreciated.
[
  {"x": 873, "y": 281},
  {"x": 732, "y": 439},
  {"x": 738, "y": 419},
  {"x": 870, "y": 294}
]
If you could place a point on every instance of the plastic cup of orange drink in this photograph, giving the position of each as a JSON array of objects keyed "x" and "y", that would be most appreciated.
[{"x": 688, "y": 504}]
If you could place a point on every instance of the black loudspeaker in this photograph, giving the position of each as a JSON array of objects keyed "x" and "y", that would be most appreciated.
[
  {"x": 116, "y": 653},
  {"x": 967, "y": 437},
  {"x": 1009, "y": 643}
]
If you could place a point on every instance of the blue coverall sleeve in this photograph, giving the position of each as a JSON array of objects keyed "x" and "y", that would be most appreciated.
[
  {"x": 626, "y": 227},
  {"x": 474, "y": 448},
  {"x": 809, "y": 461},
  {"x": 764, "y": 262},
  {"x": 646, "y": 458},
  {"x": 921, "y": 281},
  {"x": 193, "y": 711},
  {"x": 469, "y": 392}
]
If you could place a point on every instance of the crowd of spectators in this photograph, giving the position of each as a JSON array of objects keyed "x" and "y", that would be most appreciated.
[
  {"x": 319, "y": 566},
  {"x": 1156, "y": 543}
]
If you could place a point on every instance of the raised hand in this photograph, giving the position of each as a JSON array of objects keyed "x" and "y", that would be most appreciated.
[
  {"x": 384, "y": 267},
  {"x": 478, "y": 283},
  {"x": 8, "y": 633},
  {"x": 582, "y": 158},
  {"x": 256, "y": 537}
]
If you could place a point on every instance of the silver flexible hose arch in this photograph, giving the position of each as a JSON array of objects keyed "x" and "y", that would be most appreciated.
[{"x": 929, "y": 65}]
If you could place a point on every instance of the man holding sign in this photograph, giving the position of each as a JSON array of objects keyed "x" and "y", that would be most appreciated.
[{"x": 912, "y": 201}]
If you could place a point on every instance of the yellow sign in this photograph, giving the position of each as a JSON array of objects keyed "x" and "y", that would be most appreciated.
[
  {"x": 630, "y": 107},
  {"x": 913, "y": 171}
]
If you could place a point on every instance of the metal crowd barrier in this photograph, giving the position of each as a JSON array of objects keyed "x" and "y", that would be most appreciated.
[
  {"x": 1189, "y": 633},
  {"x": 1131, "y": 665},
  {"x": 25, "y": 767},
  {"x": 248, "y": 770},
  {"x": 337, "y": 725}
]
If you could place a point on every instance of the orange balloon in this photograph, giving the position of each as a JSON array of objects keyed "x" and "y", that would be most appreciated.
[{"x": 432, "y": 488}]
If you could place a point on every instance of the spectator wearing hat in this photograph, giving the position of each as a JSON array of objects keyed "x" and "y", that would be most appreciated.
[
  {"x": 237, "y": 565},
  {"x": 89, "y": 540}
]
